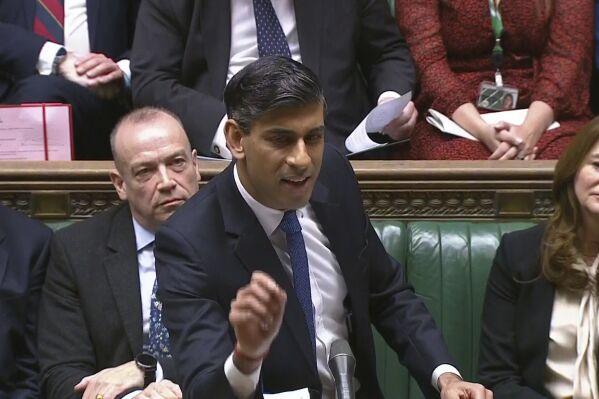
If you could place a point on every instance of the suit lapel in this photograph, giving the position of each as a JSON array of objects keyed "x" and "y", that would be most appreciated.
[
  {"x": 215, "y": 20},
  {"x": 93, "y": 14},
  {"x": 255, "y": 251},
  {"x": 3, "y": 256},
  {"x": 123, "y": 275},
  {"x": 308, "y": 17},
  {"x": 537, "y": 318},
  {"x": 336, "y": 229}
]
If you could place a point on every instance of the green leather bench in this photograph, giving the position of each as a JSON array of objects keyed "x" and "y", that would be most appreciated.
[{"x": 448, "y": 264}]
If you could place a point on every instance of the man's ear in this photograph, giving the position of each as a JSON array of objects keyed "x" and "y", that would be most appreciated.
[
  {"x": 194, "y": 162},
  {"x": 119, "y": 184},
  {"x": 234, "y": 134}
]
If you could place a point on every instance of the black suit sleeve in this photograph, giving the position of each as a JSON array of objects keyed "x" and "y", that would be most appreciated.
[
  {"x": 157, "y": 75},
  {"x": 197, "y": 324},
  {"x": 382, "y": 52},
  {"x": 24, "y": 383},
  {"x": 498, "y": 366},
  {"x": 19, "y": 51},
  {"x": 65, "y": 349},
  {"x": 27, "y": 368}
]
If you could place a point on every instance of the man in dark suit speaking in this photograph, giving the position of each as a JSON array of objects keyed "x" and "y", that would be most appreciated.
[
  {"x": 101, "y": 331},
  {"x": 275, "y": 259}
]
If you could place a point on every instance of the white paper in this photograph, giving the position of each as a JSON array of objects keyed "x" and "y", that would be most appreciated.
[
  {"x": 446, "y": 125},
  {"x": 299, "y": 394},
  {"x": 375, "y": 121}
]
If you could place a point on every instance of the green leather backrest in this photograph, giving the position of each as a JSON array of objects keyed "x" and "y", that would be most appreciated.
[
  {"x": 448, "y": 264},
  {"x": 58, "y": 224}
]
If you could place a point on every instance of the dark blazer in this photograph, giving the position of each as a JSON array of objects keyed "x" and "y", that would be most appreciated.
[
  {"x": 516, "y": 319},
  {"x": 24, "y": 248},
  {"x": 110, "y": 23},
  {"x": 181, "y": 56},
  {"x": 208, "y": 250},
  {"x": 90, "y": 312}
]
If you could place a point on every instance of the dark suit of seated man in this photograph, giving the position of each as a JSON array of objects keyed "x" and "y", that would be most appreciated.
[
  {"x": 24, "y": 249},
  {"x": 99, "y": 309},
  {"x": 252, "y": 302},
  {"x": 186, "y": 51}
]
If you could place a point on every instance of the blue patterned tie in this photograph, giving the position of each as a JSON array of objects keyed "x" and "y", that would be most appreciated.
[
  {"x": 299, "y": 264},
  {"x": 271, "y": 39},
  {"x": 159, "y": 342}
]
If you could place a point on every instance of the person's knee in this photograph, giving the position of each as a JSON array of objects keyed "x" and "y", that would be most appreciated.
[{"x": 41, "y": 89}]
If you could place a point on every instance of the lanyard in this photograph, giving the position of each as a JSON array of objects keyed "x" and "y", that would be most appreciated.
[{"x": 497, "y": 54}]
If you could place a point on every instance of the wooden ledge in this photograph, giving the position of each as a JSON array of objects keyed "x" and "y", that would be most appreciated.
[{"x": 391, "y": 189}]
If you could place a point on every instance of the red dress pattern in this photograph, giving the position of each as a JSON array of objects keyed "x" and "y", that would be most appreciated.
[{"x": 546, "y": 58}]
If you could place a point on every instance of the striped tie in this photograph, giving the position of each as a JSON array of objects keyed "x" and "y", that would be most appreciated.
[{"x": 49, "y": 20}]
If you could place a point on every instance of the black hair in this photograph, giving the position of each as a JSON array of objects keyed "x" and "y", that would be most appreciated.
[{"x": 267, "y": 84}]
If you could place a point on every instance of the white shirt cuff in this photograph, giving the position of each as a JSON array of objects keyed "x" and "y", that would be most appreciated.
[
  {"x": 442, "y": 369},
  {"x": 243, "y": 385},
  {"x": 159, "y": 377},
  {"x": 46, "y": 57},
  {"x": 386, "y": 96},
  {"x": 125, "y": 67},
  {"x": 219, "y": 143},
  {"x": 159, "y": 372}
]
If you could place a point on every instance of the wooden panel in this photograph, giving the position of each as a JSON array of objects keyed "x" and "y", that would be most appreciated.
[{"x": 391, "y": 189}]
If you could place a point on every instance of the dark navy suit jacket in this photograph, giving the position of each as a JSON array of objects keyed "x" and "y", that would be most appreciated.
[
  {"x": 24, "y": 247},
  {"x": 516, "y": 319},
  {"x": 208, "y": 250}
]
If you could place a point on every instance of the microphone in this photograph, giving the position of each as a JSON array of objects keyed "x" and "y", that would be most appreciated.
[{"x": 343, "y": 364}]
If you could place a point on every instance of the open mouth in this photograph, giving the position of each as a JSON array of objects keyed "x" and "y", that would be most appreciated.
[{"x": 296, "y": 181}]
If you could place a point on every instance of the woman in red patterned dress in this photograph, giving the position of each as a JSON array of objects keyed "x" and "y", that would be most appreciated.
[{"x": 547, "y": 47}]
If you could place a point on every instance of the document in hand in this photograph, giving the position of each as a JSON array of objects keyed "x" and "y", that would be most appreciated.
[
  {"x": 299, "y": 394},
  {"x": 36, "y": 132},
  {"x": 446, "y": 125},
  {"x": 375, "y": 121}
]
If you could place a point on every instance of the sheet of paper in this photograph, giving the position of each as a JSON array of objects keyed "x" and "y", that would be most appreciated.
[
  {"x": 58, "y": 131},
  {"x": 299, "y": 394},
  {"x": 446, "y": 125},
  {"x": 22, "y": 132},
  {"x": 375, "y": 121}
]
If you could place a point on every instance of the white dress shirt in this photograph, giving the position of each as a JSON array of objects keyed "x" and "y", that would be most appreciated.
[
  {"x": 571, "y": 365},
  {"x": 76, "y": 39},
  {"x": 327, "y": 286},
  {"x": 147, "y": 276}
]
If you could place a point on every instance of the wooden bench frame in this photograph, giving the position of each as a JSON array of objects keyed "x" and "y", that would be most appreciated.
[{"x": 392, "y": 189}]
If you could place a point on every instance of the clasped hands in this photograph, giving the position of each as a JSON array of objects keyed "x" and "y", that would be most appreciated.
[
  {"x": 112, "y": 382},
  {"x": 94, "y": 71},
  {"x": 508, "y": 141}
]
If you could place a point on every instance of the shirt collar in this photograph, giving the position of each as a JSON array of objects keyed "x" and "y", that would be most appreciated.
[
  {"x": 269, "y": 218},
  {"x": 143, "y": 236}
]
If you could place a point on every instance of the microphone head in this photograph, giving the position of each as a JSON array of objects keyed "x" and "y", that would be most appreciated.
[
  {"x": 340, "y": 348},
  {"x": 342, "y": 364}
]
